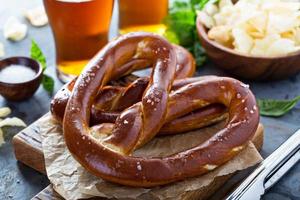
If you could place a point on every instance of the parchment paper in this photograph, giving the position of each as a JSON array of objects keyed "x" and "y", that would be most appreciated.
[{"x": 72, "y": 181}]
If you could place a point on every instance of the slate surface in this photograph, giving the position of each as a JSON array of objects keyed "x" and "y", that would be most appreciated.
[{"x": 20, "y": 182}]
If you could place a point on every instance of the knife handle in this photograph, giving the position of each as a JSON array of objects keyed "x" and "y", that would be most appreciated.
[
  {"x": 282, "y": 154},
  {"x": 267, "y": 167}
]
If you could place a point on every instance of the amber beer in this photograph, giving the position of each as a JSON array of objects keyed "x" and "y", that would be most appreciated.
[
  {"x": 80, "y": 29},
  {"x": 142, "y": 15}
]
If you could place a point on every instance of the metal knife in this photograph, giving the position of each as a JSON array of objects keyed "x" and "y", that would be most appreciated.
[{"x": 269, "y": 171}]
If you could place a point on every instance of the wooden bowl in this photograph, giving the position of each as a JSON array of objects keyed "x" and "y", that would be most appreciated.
[
  {"x": 247, "y": 66},
  {"x": 23, "y": 90}
]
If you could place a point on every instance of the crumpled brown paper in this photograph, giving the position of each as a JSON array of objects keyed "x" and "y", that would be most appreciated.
[{"x": 72, "y": 181}]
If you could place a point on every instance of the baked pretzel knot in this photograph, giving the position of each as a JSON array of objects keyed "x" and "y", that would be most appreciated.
[{"x": 105, "y": 149}]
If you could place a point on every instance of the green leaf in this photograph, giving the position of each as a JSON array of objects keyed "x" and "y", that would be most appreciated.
[
  {"x": 171, "y": 36},
  {"x": 179, "y": 5},
  {"x": 199, "y": 53},
  {"x": 48, "y": 83},
  {"x": 37, "y": 54},
  {"x": 276, "y": 108},
  {"x": 182, "y": 23},
  {"x": 181, "y": 27},
  {"x": 200, "y": 4}
]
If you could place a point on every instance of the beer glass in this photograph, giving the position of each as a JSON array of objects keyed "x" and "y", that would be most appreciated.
[
  {"x": 142, "y": 15},
  {"x": 80, "y": 29}
]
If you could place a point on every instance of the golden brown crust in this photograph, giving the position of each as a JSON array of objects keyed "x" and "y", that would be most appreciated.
[
  {"x": 105, "y": 149},
  {"x": 112, "y": 99}
]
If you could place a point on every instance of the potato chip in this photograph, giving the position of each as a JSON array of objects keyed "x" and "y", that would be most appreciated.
[
  {"x": 221, "y": 34},
  {"x": 224, "y": 3},
  {"x": 14, "y": 30},
  {"x": 261, "y": 45},
  {"x": 258, "y": 27},
  {"x": 223, "y": 16},
  {"x": 4, "y": 111},
  {"x": 37, "y": 16},
  {"x": 206, "y": 19},
  {"x": 256, "y": 34},
  {"x": 247, "y": 5},
  {"x": 235, "y": 19},
  {"x": 242, "y": 41},
  {"x": 211, "y": 9},
  {"x": 281, "y": 23},
  {"x": 14, "y": 121},
  {"x": 219, "y": 19},
  {"x": 258, "y": 22},
  {"x": 281, "y": 47},
  {"x": 281, "y": 7}
]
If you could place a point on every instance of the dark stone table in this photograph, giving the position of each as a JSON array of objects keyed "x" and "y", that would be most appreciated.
[{"x": 20, "y": 182}]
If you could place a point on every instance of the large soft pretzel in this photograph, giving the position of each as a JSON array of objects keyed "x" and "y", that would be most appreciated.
[
  {"x": 105, "y": 149},
  {"x": 113, "y": 99},
  {"x": 185, "y": 67}
]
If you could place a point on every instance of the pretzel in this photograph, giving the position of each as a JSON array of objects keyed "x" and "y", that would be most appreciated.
[
  {"x": 185, "y": 68},
  {"x": 112, "y": 99},
  {"x": 105, "y": 149}
]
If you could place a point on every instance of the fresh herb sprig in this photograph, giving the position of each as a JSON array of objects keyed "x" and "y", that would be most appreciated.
[
  {"x": 276, "y": 108},
  {"x": 37, "y": 54},
  {"x": 181, "y": 26}
]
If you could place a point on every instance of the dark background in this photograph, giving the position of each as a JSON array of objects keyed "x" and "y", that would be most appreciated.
[{"x": 20, "y": 182}]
